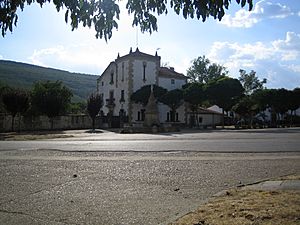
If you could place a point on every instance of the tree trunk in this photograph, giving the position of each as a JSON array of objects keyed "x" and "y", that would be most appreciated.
[
  {"x": 12, "y": 123},
  {"x": 223, "y": 119},
  {"x": 291, "y": 119},
  {"x": 51, "y": 121},
  {"x": 19, "y": 126},
  {"x": 93, "y": 123}
]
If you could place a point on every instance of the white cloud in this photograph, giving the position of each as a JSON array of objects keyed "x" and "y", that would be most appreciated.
[
  {"x": 262, "y": 10},
  {"x": 247, "y": 54},
  {"x": 1, "y": 57},
  {"x": 288, "y": 48},
  {"x": 235, "y": 56},
  {"x": 294, "y": 68},
  {"x": 277, "y": 61},
  {"x": 85, "y": 58}
]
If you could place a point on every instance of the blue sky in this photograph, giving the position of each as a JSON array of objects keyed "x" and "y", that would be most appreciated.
[{"x": 266, "y": 40}]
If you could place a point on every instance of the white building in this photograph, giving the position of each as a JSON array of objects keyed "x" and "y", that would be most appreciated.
[{"x": 126, "y": 75}]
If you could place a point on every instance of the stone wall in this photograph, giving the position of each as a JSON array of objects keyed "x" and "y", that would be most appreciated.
[{"x": 43, "y": 123}]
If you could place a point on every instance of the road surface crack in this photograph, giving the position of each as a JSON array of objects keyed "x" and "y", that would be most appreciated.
[{"x": 32, "y": 217}]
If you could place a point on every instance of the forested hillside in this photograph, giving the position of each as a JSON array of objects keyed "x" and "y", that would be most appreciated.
[{"x": 23, "y": 75}]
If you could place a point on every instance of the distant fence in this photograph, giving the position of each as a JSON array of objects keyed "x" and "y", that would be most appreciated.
[{"x": 31, "y": 123}]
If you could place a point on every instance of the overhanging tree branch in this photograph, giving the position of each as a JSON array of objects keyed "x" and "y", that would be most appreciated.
[{"x": 104, "y": 14}]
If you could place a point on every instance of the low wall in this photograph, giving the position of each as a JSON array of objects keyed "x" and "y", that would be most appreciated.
[{"x": 31, "y": 123}]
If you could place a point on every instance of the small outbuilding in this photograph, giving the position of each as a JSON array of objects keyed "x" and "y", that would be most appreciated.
[{"x": 204, "y": 118}]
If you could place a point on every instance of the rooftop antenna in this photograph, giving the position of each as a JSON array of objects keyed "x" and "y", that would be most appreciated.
[{"x": 156, "y": 51}]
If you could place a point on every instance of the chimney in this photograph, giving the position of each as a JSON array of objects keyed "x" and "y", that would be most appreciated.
[{"x": 172, "y": 68}]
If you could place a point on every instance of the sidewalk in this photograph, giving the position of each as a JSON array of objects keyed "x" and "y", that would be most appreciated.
[{"x": 267, "y": 202}]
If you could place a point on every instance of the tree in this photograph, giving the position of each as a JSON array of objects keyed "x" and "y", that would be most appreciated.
[
  {"x": 295, "y": 100},
  {"x": 15, "y": 101},
  {"x": 77, "y": 107},
  {"x": 247, "y": 108},
  {"x": 51, "y": 98},
  {"x": 279, "y": 102},
  {"x": 203, "y": 71},
  {"x": 225, "y": 93},
  {"x": 251, "y": 82},
  {"x": 94, "y": 104},
  {"x": 294, "y": 103},
  {"x": 142, "y": 95},
  {"x": 194, "y": 94},
  {"x": 173, "y": 99},
  {"x": 103, "y": 14},
  {"x": 3, "y": 88}
]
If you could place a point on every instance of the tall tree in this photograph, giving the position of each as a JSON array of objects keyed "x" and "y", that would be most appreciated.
[
  {"x": 94, "y": 104},
  {"x": 15, "y": 101},
  {"x": 103, "y": 14},
  {"x": 194, "y": 94},
  {"x": 3, "y": 88},
  {"x": 247, "y": 108},
  {"x": 251, "y": 82},
  {"x": 203, "y": 71},
  {"x": 225, "y": 93},
  {"x": 293, "y": 103},
  {"x": 51, "y": 98},
  {"x": 280, "y": 103},
  {"x": 173, "y": 99}
]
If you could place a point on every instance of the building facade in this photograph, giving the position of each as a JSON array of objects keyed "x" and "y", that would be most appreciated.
[{"x": 126, "y": 75}]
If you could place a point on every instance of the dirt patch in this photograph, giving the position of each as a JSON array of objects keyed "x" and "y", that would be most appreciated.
[
  {"x": 32, "y": 136},
  {"x": 248, "y": 207},
  {"x": 290, "y": 177}
]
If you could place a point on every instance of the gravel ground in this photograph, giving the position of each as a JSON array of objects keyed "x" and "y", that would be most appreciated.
[{"x": 49, "y": 187}]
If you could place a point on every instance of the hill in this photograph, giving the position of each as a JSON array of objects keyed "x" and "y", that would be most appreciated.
[{"x": 24, "y": 75}]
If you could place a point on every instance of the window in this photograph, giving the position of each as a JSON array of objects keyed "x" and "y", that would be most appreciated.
[
  {"x": 102, "y": 83},
  {"x": 101, "y": 97},
  {"x": 168, "y": 116},
  {"x": 139, "y": 116},
  {"x": 177, "y": 120},
  {"x": 172, "y": 81},
  {"x": 111, "y": 77},
  {"x": 122, "y": 113},
  {"x": 144, "y": 71},
  {"x": 111, "y": 95},
  {"x": 122, "y": 71},
  {"x": 200, "y": 119},
  {"x": 143, "y": 114},
  {"x": 122, "y": 96}
]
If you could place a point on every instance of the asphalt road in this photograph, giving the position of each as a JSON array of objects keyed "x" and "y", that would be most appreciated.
[
  {"x": 267, "y": 140},
  {"x": 111, "y": 179}
]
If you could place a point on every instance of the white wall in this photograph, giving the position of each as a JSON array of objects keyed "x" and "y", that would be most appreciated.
[
  {"x": 207, "y": 119},
  {"x": 120, "y": 70},
  {"x": 166, "y": 83},
  {"x": 164, "y": 109},
  {"x": 150, "y": 73}
]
